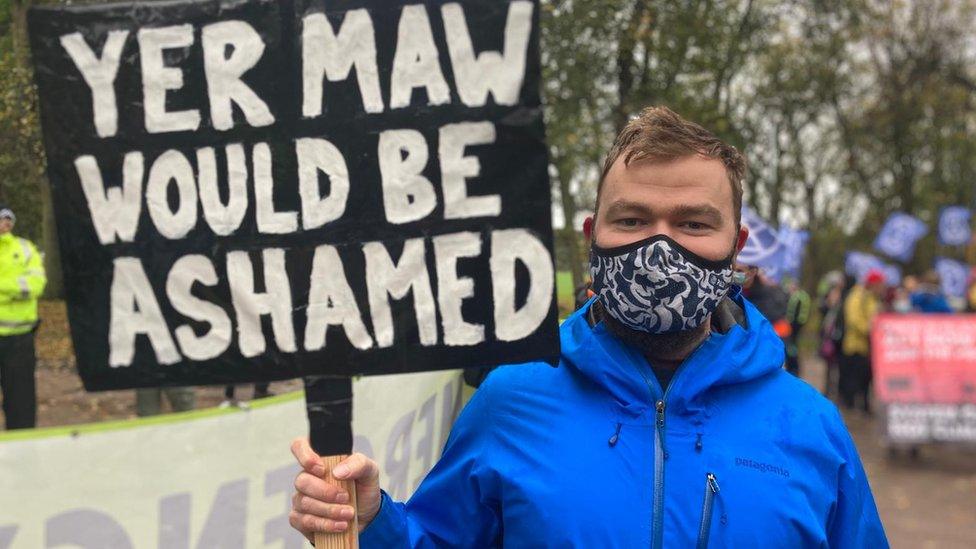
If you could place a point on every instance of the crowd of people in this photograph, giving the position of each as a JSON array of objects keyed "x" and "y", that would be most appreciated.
[{"x": 847, "y": 307}]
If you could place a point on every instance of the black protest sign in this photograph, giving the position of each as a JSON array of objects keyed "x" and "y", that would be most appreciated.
[{"x": 260, "y": 190}]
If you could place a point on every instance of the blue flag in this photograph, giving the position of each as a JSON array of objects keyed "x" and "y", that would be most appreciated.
[
  {"x": 794, "y": 244},
  {"x": 892, "y": 274},
  {"x": 954, "y": 229},
  {"x": 898, "y": 236},
  {"x": 858, "y": 264},
  {"x": 763, "y": 248},
  {"x": 954, "y": 276}
]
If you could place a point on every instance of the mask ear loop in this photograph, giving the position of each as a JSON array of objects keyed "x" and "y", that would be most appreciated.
[{"x": 738, "y": 278}]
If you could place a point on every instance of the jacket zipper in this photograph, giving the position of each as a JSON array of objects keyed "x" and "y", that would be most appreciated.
[
  {"x": 711, "y": 488},
  {"x": 657, "y": 519},
  {"x": 660, "y": 453}
]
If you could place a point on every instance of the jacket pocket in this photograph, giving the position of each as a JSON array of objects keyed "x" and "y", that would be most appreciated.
[{"x": 711, "y": 488}]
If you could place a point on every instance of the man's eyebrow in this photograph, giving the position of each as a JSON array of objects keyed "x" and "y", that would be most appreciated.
[
  {"x": 705, "y": 211},
  {"x": 620, "y": 206}
]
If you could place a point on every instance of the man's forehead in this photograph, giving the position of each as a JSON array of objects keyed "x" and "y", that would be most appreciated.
[{"x": 691, "y": 180}]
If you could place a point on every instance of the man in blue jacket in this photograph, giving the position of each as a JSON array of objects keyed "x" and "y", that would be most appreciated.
[
  {"x": 669, "y": 421},
  {"x": 928, "y": 297}
]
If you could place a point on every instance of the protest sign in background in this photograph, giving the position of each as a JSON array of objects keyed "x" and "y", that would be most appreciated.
[
  {"x": 262, "y": 190},
  {"x": 898, "y": 236},
  {"x": 152, "y": 483},
  {"x": 953, "y": 276},
  {"x": 925, "y": 371},
  {"x": 954, "y": 226}
]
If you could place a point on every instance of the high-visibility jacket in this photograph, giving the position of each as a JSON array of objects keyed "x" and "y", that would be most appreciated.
[{"x": 22, "y": 282}]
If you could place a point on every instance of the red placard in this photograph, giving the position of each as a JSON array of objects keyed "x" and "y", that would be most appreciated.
[{"x": 925, "y": 359}]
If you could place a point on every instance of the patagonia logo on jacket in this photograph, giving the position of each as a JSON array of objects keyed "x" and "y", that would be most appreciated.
[{"x": 761, "y": 467}]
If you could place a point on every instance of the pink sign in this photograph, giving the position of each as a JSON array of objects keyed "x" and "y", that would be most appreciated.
[{"x": 928, "y": 359}]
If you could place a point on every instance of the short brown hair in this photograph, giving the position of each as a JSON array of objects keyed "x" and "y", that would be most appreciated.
[
  {"x": 658, "y": 133},
  {"x": 932, "y": 277}
]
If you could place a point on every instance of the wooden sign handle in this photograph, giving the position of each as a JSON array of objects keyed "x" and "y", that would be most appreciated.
[
  {"x": 350, "y": 538},
  {"x": 328, "y": 402}
]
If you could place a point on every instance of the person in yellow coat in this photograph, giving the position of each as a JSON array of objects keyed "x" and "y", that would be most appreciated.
[
  {"x": 22, "y": 282},
  {"x": 863, "y": 303}
]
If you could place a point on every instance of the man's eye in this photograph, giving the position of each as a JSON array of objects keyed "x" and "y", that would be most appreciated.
[
  {"x": 695, "y": 226},
  {"x": 630, "y": 222}
]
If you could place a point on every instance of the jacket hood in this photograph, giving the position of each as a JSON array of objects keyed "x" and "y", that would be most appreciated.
[{"x": 745, "y": 352}]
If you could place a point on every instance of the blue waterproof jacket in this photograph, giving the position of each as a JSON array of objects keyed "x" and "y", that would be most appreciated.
[
  {"x": 930, "y": 302},
  {"x": 594, "y": 454}
]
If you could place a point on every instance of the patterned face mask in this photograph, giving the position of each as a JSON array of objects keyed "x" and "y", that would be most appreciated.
[{"x": 657, "y": 286}]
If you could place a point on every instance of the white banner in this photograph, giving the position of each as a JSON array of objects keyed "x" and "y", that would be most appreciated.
[{"x": 223, "y": 480}]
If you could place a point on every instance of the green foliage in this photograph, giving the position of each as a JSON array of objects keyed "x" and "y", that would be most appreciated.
[
  {"x": 848, "y": 110},
  {"x": 21, "y": 152},
  {"x": 565, "y": 293}
]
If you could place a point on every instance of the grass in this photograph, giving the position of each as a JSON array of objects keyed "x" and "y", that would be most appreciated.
[{"x": 565, "y": 293}]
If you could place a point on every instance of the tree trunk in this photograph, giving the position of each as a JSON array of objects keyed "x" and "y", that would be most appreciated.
[
  {"x": 625, "y": 65},
  {"x": 52, "y": 253},
  {"x": 811, "y": 271},
  {"x": 568, "y": 202},
  {"x": 49, "y": 237},
  {"x": 776, "y": 192}
]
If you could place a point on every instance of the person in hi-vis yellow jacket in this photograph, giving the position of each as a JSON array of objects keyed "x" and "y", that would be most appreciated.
[{"x": 22, "y": 282}]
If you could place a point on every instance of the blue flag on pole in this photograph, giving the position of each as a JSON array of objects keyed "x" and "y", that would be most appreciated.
[
  {"x": 954, "y": 276},
  {"x": 898, "y": 236},
  {"x": 763, "y": 248},
  {"x": 954, "y": 228}
]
